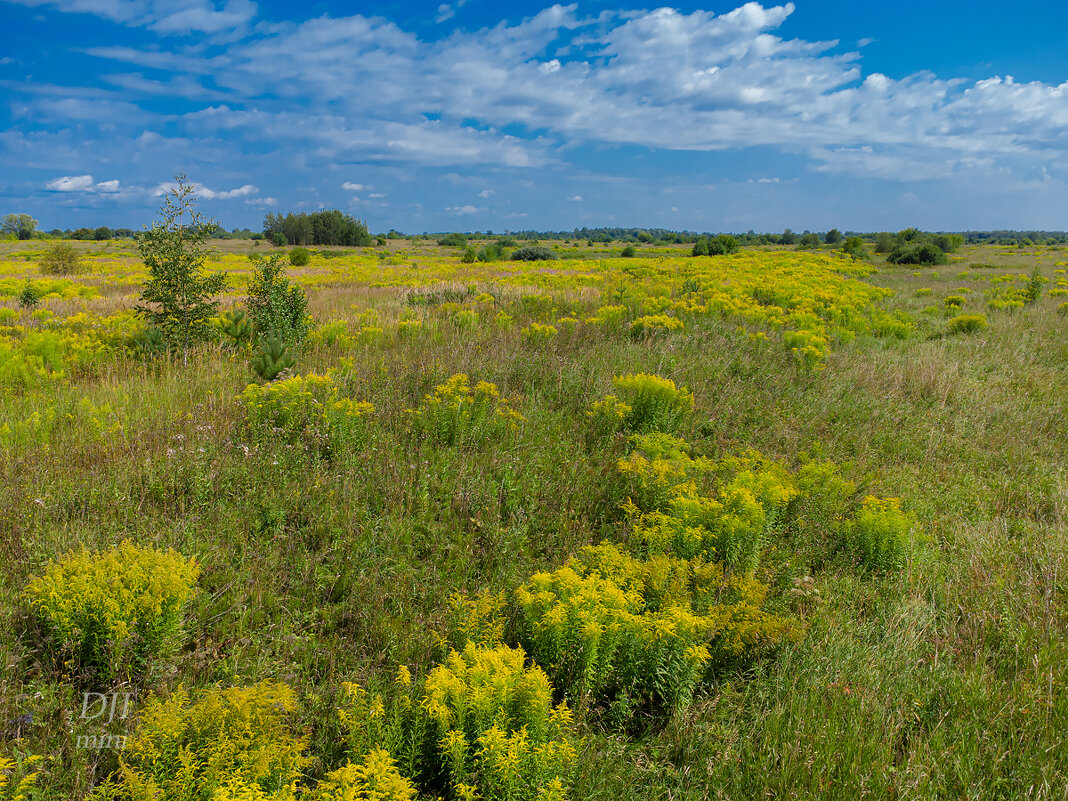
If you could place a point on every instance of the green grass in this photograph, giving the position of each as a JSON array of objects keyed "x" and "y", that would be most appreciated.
[{"x": 946, "y": 680}]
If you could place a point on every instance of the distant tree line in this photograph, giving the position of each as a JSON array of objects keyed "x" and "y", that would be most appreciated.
[{"x": 327, "y": 227}]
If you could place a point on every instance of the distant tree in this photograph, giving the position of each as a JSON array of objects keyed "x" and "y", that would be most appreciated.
[
  {"x": 884, "y": 242},
  {"x": 854, "y": 246},
  {"x": 628, "y": 252},
  {"x": 722, "y": 245},
  {"x": 178, "y": 299},
  {"x": 833, "y": 237},
  {"x": 788, "y": 237},
  {"x": 810, "y": 240},
  {"x": 22, "y": 226},
  {"x": 453, "y": 241},
  {"x": 700, "y": 247},
  {"x": 102, "y": 233}
]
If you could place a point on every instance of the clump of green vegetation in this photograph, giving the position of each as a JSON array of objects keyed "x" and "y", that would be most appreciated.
[
  {"x": 60, "y": 259},
  {"x": 29, "y": 297},
  {"x": 299, "y": 257},
  {"x": 649, "y": 403},
  {"x": 235, "y": 743},
  {"x": 879, "y": 534},
  {"x": 110, "y": 613},
  {"x": 533, "y": 253},
  {"x": 966, "y": 324}
]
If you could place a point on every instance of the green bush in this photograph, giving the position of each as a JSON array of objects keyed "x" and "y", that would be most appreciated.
[
  {"x": 879, "y": 534},
  {"x": 533, "y": 253},
  {"x": 110, "y": 613},
  {"x": 60, "y": 259},
  {"x": 917, "y": 252},
  {"x": 299, "y": 257},
  {"x": 966, "y": 324},
  {"x": 276, "y": 306},
  {"x": 453, "y": 241},
  {"x": 628, "y": 252},
  {"x": 652, "y": 403}
]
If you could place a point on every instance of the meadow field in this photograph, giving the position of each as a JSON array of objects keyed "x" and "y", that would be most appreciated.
[{"x": 777, "y": 524}]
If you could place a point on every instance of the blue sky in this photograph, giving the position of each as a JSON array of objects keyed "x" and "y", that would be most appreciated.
[{"x": 471, "y": 115}]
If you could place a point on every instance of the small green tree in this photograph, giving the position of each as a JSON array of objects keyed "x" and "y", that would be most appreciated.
[
  {"x": 179, "y": 299},
  {"x": 278, "y": 308}
]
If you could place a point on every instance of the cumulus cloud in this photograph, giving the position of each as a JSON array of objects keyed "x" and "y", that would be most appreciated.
[
  {"x": 485, "y": 193},
  {"x": 469, "y": 209},
  {"x": 351, "y": 187},
  {"x": 71, "y": 183},
  {"x": 575, "y": 198},
  {"x": 209, "y": 194}
]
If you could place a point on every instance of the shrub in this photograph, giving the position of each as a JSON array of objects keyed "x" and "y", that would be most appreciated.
[
  {"x": 655, "y": 403},
  {"x": 634, "y": 635},
  {"x": 272, "y": 357},
  {"x": 953, "y": 301},
  {"x": 966, "y": 324},
  {"x": 304, "y": 410},
  {"x": 276, "y": 306},
  {"x": 236, "y": 326},
  {"x": 722, "y": 245},
  {"x": 700, "y": 247},
  {"x": 453, "y": 241},
  {"x": 457, "y": 413},
  {"x": 374, "y": 778},
  {"x": 495, "y": 251},
  {"x": 60, "y": 259},
  {"x": 533, "y": 253},
  {"x": 233, "y": 743},
  {"x": 879, "y": 533},
  {"x": 299, "y": 257},
  {"x": 1062, "y": 310},
  {"x": 1033, "y": 290},
  {"x": 655, "y": 325},
  {"x": 470, "y": 255},
  {"x": 112, "y": 612},
  {"x": 854, "y": 247},
  {"x": 29, "y": 297},
  {"x": 483, "y": 725},
  {"x": 917, "y": 252},
  {"x": 628, "y": 252}
]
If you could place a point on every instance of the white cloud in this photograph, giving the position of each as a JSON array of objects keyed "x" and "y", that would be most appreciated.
[
  {"x": 351, "y": 187},
  {"x": 163, "y": 16},
  {"x": 575, "y": 198},
  {"x": 485, "y": 193},
  {"x": 71, "y": 183},
  {"x": 108, "y": 186},
  {"x": 461, "y": 209},
  {"x": 209, "y": 194}
]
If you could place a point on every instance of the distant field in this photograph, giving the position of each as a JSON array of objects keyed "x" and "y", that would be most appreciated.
[{"x": 777, "y": 524}]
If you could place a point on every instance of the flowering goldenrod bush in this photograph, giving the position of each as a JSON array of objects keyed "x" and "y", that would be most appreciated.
[
  {"x": 109, "y": 613},
  {"x": 655, "y": 325},
  {"x": 879, "y": 533},
  {"x": 656, "y": 404},
  {"x": 483, "y": 725},
  {"x": 374, "y": 778},
  {"x": 497, "y": 730},
  {"x": 658, "y": 468},
  {"x": 19, "y": 777},
  {"x": 457, "y": 413},
  {"x": 536, "y": 333},
  {"x": 966, "y": 324},
  {"x": 641, "y": 634},
  {"x": 305, "y": 409},
  {"x": 233, "y": 743}
]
